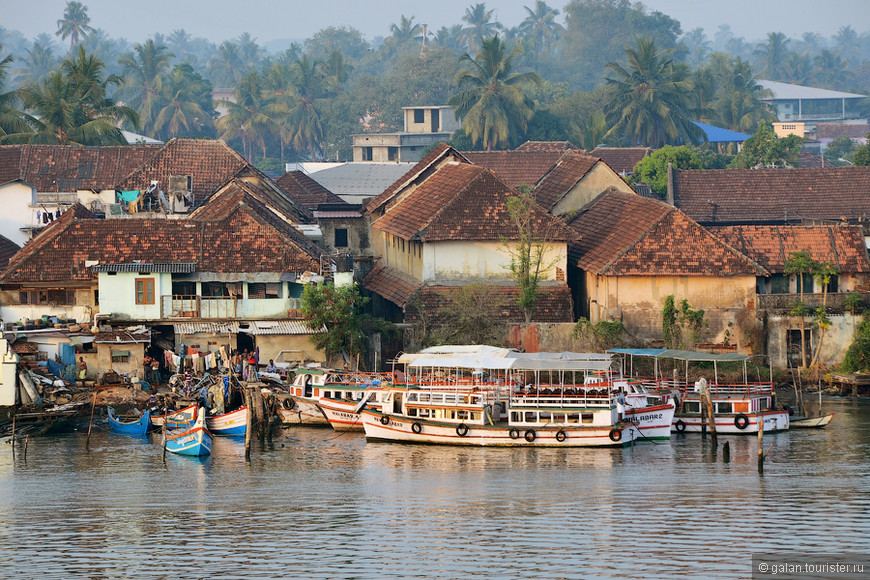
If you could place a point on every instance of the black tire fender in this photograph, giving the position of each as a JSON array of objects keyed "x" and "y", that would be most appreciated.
[
  {"x": 514, "y": 433},
  {"x": 385, "y": 419},
  {"x": 615, "y": 435},
  {"x": 530, "y": 435},
  {"x": 416, "y": 427},
  {"x": 462, "y": 429},
  {"x": 561, "y": 435},
  {"x": 680, "y": 425},
  {"x": 288, "y": 404},
  {"x": 741, "y": 421}
]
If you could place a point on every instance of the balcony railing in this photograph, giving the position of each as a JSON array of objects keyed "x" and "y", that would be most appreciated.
[
  {"x": 835, "y": 302},
  {"x": 198, "y": 307}
]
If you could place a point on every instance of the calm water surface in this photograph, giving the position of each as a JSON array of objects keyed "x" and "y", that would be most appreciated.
[{"x": 316, "y": 504}]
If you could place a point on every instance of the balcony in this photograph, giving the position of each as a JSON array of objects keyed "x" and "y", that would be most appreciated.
[
  {"x": 200, "y": 307},
  {"x": 782, "y": 303}
]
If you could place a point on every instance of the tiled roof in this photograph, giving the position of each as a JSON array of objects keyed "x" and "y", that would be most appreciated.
[
  {"x": 391, "y": 284},
  {"x": 306, "y": 191},
  {"x": 244, "y": 241},
  {"x": 211, "y": 164},
  {"x": 422, "y": 169},
  {"x": 461, "y": 202},
  {"x": 629, "y": 235},
  {"x": 546, "y": 146},
  {"x": 177, "y": 268},
  {"x": 122, "y": 336},
  {"x": 262, "y": 190},
  {"x": 570, "y": 169},
  {"x": 807, "y": 159},
  {"x": 68, "y": 168},
  {"x": 770, "y": 246},
  {"x": 834, "y": 130},
  {"x": 621, "y": 159},
  {"x": 8, "y": 248},
  {"x": 516, "y": 168},
  {"x": 758, "y": 195}
]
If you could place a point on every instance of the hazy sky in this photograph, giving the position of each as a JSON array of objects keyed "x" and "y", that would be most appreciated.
[{"x": 269, "y": 20}]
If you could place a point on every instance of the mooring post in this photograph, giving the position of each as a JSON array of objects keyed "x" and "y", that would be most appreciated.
[
  {"x": 26, "y": 440},
  {"x": 13, "y": 436},
  {"x": 726, "y": 452},
  {"x": 708, "y": 403},
  {"x": 248, "y": 423},
  {"x": 93, "y": 407},
  {"x": 760, "y": 443}
]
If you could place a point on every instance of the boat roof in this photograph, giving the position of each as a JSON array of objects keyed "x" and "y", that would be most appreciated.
[
  {"x": 684, "y": 355},
  {"x": 518, "y": 361},
  {"x": 460, "y": 350}
]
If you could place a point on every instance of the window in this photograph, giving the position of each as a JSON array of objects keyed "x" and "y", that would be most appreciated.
[
  {"x": 261, "y": 290},
  {"x": 586, "y": 418},
  {"x": 51, "y": 296},
  {"x": 392, "y": 153},
  {"x": 340, "y": 237},
  {"x": 692, "y": 407},
  {"x": 419, "y": 116},
  {"x": 722, "y": 408},
  {"x": 144, "y": 290},
  {"x": 215, "y": 290},
  {"x": 367, "y": 154},
  {"x": 121, "y": 356}
]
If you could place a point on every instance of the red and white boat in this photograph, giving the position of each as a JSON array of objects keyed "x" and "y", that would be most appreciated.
[{"x": 181, "y": 418}]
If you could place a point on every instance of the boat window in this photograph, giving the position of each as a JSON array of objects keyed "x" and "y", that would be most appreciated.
[
  {"x": 573, "y": 418},
  {"x": 558, "y": 418},
  {"x": 692, "y": 407},
  {"x": 723, "y": 408},
  {"x": 412, "y": 396},
  {"x": 412, "y": 412},
  {"x": 544, "y": 416},
  {"x": 461, "y": 415},
  {"x": 515, "y": 416},
  {"x": 424, "y": 413},
  {"x": 586, "y": 417},
  {"x": 531, "y": 417}
]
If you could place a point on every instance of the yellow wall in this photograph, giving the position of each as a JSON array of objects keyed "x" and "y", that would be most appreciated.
[{"x": 597, "y": 180}]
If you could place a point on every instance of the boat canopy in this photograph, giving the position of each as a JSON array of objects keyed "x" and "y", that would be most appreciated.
[
  {"x": 457, "y": 350},
  {"x": 518, "y": 361},
  {"x": 683, "y": 355}
]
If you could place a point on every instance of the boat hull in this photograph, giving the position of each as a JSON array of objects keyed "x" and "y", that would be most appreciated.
[
  {"x": 810, "y": 422},
  {"x": 653, "y": 422},
  {"x": 402, "y": 429},
  {"x": 232, "y": 424},
  {"x": 137, "y": 427},
  {"x": 342, "y": 416},
  {"x": 179, "y": 419},
  {"x": 196, "y": 440},
  {"x": 730, "y": 424},
  {"x": 300, "y": 411}
]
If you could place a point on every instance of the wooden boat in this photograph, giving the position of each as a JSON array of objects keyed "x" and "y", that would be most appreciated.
[
  {"x": 177, "y": 419},
  {"x": 465, "y": 399},
  {"x": 345, "y": 394},
  {"x": 195, "y": 440},
  {"x": 320, "y": 396},
  {"x": 811, "y": 422},
  {"x": 232, "y": 424},
  {"x": 138, "y": 426}
]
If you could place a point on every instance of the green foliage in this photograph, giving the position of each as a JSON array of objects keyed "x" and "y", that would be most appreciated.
[
  {"x": 839, "y": 148},
  {"x": 764, "y": 149},
  {"x": 683, "y": 326},
  {"x": 468, "y": 318},
  {"x": 338, "y": 310},
  {"x": 857, "y": 357},
  {"x": 605, "y": 334},
  {"x": 861, "y": 156},
  {"x": 653, "y": 169},
  {"x": 853, "y": 302}
]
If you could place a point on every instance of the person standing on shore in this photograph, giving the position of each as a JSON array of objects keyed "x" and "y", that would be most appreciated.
[{"x": 82, "y": 369}]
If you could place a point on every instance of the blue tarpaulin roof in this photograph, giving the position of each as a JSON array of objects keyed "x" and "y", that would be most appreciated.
[{"x": 720, "y": 135}]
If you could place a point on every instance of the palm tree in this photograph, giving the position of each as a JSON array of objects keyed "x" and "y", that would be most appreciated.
[
  {"x": 798, "y": 69},
  {"x": 450, "y": 37},
  {"x": 477, "y": 17},
  {"x": 187, "y": 111},
  {"x": 248, "y": 118},
  {"x": 310, "y": 82},
  {"x": 11, "y": 119},
  {"x": 406, "y": 30},
  {"x": 830, "y": 71},
  {"x": 38, "y": 62},
  {"x": 774, "y": 54},
  {"x": 250, "y": 52},
  {"x": 698, "y": 46},
  {"x": 650, "y": 102},
  {"x": 226, "y": 67},
  {"x": 179, "y": 42},
  {"x": 589, "y": 131},
  {"x": 337, "y": 70},
  {"x": 540, "y": 24},
  {"x": 847, "y": 43},
  {"x": 75, "y": 23},
  {"x": 144, "y": 71},
  {"x": 738, "y": 102},
  {"x": 491, "y": 101}
]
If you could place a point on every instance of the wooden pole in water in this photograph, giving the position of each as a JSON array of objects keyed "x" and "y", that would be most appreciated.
[
  {"x": 26, "y": 440},
  {"x": 708, "y": 404},
  {"x": 761, "y": 454},
  {"x": 248, "y": 423},
  {"x": 726, "y": 452},
  {"x": 13, "y": 436},
  {"x": 91, "y": 424}
]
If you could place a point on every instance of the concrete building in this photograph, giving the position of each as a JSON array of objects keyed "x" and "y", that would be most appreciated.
[{"x": 424, "y": 126}]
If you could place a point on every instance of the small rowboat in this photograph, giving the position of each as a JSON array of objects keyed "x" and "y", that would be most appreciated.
[
  {"x": 231, "y": 424},
  {"x": 138, "y": 426},
  {"x": 195, "y": 440},
  {"x": 810, "y": 422},
  {"x": 182, "y": 418}
]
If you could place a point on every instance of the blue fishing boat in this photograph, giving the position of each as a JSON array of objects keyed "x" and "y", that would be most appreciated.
[
  {"x": 138, "y": 426},
  {"x": 177, "y": 419},
  {"x": 195, "y": 440},
  {"x": 231, "y": 424}
]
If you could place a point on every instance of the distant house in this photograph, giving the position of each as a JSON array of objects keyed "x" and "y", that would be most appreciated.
[
  {"x": 357, "y": 183},
  {"x": 797, "y": 103},
  {"x": 629, "y": 253},
  {"x": 621, "y": 159},
  {"x": 424, "y": 126}
]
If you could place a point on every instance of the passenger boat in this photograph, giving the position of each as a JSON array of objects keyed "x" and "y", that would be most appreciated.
[
  {"x": 138, "y": 426},
  {"x": 195, "y": 440},
  {"x": 232, "y": 424},
  {"x": 299, "y": 405},
  {"x": 810, "y": 422},
  {"x": 516, "y": 399},
  {"x": 739, "y": 407},
  {"x": 181, "y": 418}
]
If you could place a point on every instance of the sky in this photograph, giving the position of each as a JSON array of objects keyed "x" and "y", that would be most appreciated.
[{"x": 271, "y": 20}]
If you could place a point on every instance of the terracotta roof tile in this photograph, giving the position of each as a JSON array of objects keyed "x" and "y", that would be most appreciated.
[
  {"x": 8, "y": 248},
  {"x": 834, "y": 130},
  {"x": 306, "y": 191},
  {"x": 516, "y": 168},
  {"x": 571, "y": 168},
  {"x": 771, "y": 246},
  {"x": 211, "y": 164},
  {"x": 629, "y": 235},
  {"x": 391, "y": 284},
  {"x": 67, "y": 168},
  {"x": 547, "y": 146},
  {"x": 460, "y": 202},
  {"x": 621, "y": 159},
  {"x": 773, "y": 195}
]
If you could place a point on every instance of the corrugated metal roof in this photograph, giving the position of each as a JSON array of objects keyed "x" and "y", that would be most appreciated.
[
  {"x": 264, "y": 327},
  {"x": 366, "y": 179},
  {"x": 788, "y": 91},
  {"x": 176, "y": 268},
  {"x": 206, "y": 327}
]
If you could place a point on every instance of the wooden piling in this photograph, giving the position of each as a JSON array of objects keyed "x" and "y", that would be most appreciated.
[
  {"x": 13, "y": 436},
  {"x": 707, "y": 401},
  {"x": 726, "y": 452},
  {"x": 760, "y": 420},
  {"x": 248, "y": 424},
  {"x": 91, "y": 424},
  {"x": 26, "y": 441}
]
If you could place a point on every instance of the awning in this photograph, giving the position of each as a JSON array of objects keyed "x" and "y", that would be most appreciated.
[
  {"x": 683, "y": 355},
  {"x": 128, "y": 196}
]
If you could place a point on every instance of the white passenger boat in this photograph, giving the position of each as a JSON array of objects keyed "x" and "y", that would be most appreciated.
[
  {"x": 738, "y": 407},
  {"x": 515, "y": 400}
]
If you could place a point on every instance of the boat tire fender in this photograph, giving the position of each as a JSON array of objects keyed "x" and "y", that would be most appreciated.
[
  {"x": 288, "y": 404},
  {"x": 530, "y": 435},
  {"x": 385, "y": 420},
  {"x": 462, "y": 429},
  {"x": 416, "y": 428},
  {"x": 615, "y": 435},
  {"x": 741, "y": 421},
  {"x": 680, "y": 425},
  {"x": 561, "y": 435},
  {"x": 514, "y": 433}
]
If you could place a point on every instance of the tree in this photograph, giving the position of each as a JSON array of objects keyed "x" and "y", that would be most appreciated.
[
  {"x": 774, "y": 54},
  {"x": 799, "y": 264},
  {"x": 39, "y": 60},
  {"x": 764, "y": 149},
  {"x": 187, "y": 109},
  {"x": 650, "y": 102},
  {"x": 11, "y": 119},
  {"x": 531, "y": 250},
  {"x": 406, "y": 30},
  {"x": 540, "y": 25},
  {"x": 839, "y": 150},
  {"x": 249, "y": 117},
  {"x": 683, "y": 326},
  {"x": 75, "y": 23},
  {"x": 338, "y": 311},
  {"x": 306, "y": 130},
  {"x": 226, "y": 69},
  {"x": 491, "y": 101},
  {"x": 145, "y": 69},
  {"x": 479, "y": 25},
  {"x": 653, "y": 169},
  {"x": 468, "y": 318},
  {"x": 861, "y": 156},
  {"x": 822, "y": 273},
  {"x": 738, "y": 103},
  {"x": 589, "y": 131}
]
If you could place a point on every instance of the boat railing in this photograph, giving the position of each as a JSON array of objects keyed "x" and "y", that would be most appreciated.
[
  {"x": 716, "y": 389},
  {"x": 556, "y": 400},
  {"x": 355, "y": 378}
]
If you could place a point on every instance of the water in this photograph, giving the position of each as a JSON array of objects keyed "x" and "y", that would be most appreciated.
[{"x": 317, "y": 504}]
